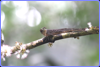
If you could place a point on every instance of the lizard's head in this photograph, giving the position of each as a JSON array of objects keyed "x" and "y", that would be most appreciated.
[{"x": 43, "y": 30}]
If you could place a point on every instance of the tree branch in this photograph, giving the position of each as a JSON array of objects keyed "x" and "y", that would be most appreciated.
[{"x": 51, "y": 38}]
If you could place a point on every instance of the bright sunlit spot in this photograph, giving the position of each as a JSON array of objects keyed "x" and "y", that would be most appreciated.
[
  {"x": 34, "y": 17},
  {"x": 21, "y": 10},
  {"x": 23, "y": 13}
]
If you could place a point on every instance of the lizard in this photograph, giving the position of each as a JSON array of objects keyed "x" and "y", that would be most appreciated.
[{"x": 48, "y": 32}]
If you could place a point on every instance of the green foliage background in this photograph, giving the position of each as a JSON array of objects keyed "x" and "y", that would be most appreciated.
[{"x": 65, "y": 52}]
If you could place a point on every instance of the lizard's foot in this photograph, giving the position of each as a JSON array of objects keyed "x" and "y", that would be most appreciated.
[{"x": 50, "y": 44}]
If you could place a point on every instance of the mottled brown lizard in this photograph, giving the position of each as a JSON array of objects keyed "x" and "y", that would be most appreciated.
[{"x": 47, "y": 32}]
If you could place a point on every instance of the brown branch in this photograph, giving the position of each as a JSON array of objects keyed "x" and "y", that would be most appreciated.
[
  {"x": 53, "y": 38},
  {"x": 49, "y": 39}
]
